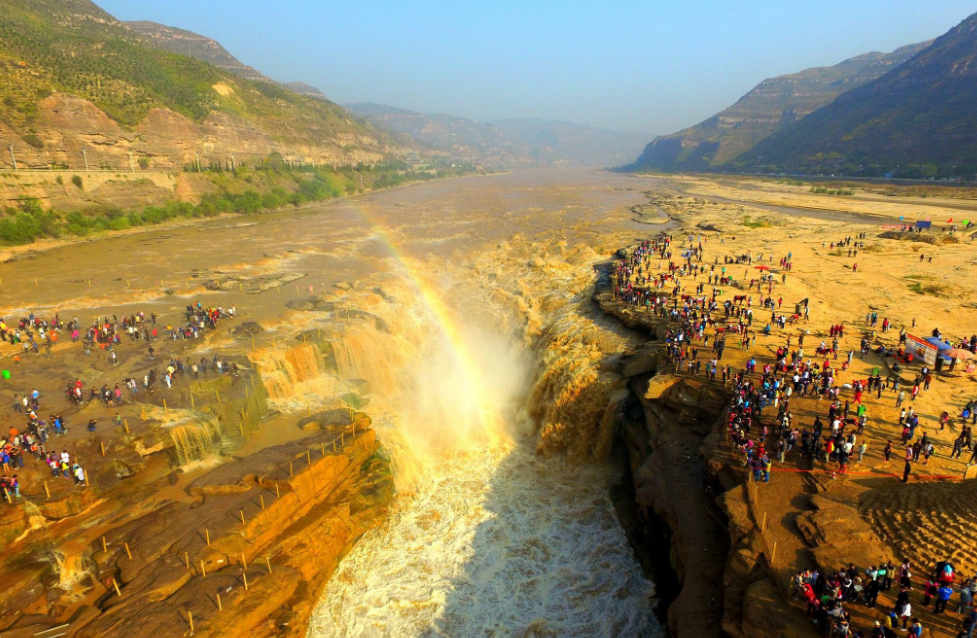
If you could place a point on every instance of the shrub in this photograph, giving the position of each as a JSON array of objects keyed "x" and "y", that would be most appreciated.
[{"x": 76, "y": 180}]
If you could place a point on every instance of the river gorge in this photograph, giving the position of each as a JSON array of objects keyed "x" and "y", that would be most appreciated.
[{"x": 454, "y": 320}]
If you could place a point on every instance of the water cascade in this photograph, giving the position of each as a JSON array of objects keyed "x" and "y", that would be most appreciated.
[
  {"x": 488, "y": 538},
  {"x": 195, "y": 440}
]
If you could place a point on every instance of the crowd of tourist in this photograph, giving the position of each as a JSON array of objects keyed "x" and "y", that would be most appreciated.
[
  {"x": 106, "y": 334},
  {"x": 701, "y": 324}
]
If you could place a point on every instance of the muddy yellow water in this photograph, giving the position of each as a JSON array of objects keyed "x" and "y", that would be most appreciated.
[{"x": 456, "y": 312}]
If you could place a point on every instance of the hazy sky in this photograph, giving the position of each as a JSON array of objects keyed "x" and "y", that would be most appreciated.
[{"x": 653, "y": 66}]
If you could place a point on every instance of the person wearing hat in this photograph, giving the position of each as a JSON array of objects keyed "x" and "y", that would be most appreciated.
[{"x": 877, "y": 630}]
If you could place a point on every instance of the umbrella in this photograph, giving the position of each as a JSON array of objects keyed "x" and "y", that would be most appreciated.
[
  {"x": 957, "y": 353},
  {"x": 763, "y": 267}
]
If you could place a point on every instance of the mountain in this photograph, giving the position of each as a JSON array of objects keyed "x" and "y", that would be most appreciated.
[
  {"x": 918, "y": 120},
  {"x": 772, "y": 105},
  {"x": 555, "y": 142},
  {"x": 459, "y": 138},
  {"x": 76, "y": 83},
  {"x": 507, "y": 142}
]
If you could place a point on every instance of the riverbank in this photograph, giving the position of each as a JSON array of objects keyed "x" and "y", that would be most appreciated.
[
  {"x": 34, "y": 211},
  {"x": 736, "y": 545}
]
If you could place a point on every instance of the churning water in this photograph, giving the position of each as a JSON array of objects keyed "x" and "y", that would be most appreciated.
[{"x": 494, "y": 543}]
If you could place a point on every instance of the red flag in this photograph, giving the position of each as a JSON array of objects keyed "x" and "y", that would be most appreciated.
[{"x": 949, "y": 220}]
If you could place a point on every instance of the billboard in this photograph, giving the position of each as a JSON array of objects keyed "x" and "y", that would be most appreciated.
[{"x": 921, "y": 349}]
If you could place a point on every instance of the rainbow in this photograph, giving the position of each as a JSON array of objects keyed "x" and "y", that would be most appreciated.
[{"x": 447, "y": 322}]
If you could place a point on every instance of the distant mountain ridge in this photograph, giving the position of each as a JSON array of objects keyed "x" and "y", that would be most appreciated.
[
  {"x": 555, "y": 141},
  {"x": 919, "y": 120},
  {"x": 459, "y": 138},
  {"x": 772, "y": 105},
  {"x": 506, "y": 142}
]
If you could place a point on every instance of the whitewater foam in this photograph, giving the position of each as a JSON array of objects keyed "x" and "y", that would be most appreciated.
[{"x": 494, "y": 542}]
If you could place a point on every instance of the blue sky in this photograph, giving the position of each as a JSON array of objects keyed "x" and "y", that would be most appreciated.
[{"x": 653, "y": 66}]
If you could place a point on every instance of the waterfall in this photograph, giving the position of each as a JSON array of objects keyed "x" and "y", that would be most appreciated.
[
  {"x": 489, "y": 538},
  {"x": 282, "y": 369},
  {"x": 195, "y": 440}
]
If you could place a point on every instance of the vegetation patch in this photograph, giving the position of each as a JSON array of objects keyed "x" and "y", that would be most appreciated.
[
  {"x": 750, "y": 222},
  {"x": 824, "y": 190},
  {"x": 937, "y": 290}
]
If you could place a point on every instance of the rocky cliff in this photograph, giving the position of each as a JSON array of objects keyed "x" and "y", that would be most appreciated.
[{"x": 69, "y": 130}]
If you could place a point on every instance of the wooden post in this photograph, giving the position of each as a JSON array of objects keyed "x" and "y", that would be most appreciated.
[
  {"x": 203, "y": 568},
  {"x": 245, "y": 575},
  {"x": 105, "y": 547},
  {"x": 190, "y": 618},
  {"x": 101, "y": 444},
  {"x": 242, "y": 517},
  {"x": 47, "y": 490},
  {"x": 763, "y": 523},
  {"x": 125, "y": 424},
  {"x": 268, "y": 563},
  {"x": 308, "y": 455},
  {"x": 191, "y": 400},
  {"x": 116, "y": 585},
  {"x": 219, "y": 607},
  {"x": 278, "y": 493},
  {"x": 261, "y": 497},
  {"x": 244, "y": 560},
  {"x": 773, "y": 553},
  {"x": 207, "y": 535},
  {"x": 186, "y": 557},
  {"x": 240, "y": 426},
  {"x": 290, "y": 468},
  {"x": 322, "y": 448},
  {"x": 342, "y": 439},
  {"x": 334, "y": 445},
  {"x": 165, "y": 409},
  {"x": 128, "y": 553},
  {"x": 143, "y": 413}
]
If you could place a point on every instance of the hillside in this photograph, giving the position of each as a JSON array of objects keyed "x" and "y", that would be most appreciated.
[
  {"x": 917, "y": 121},
  {"x": 556, "y": 142},
  {"x": 305, "y": 89},
  {"x": 209, "y": 50},
  {"x": 195, "y": 46},
  {"x": 76, "y": 82},
  {"x": 770, "y": 106}
]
